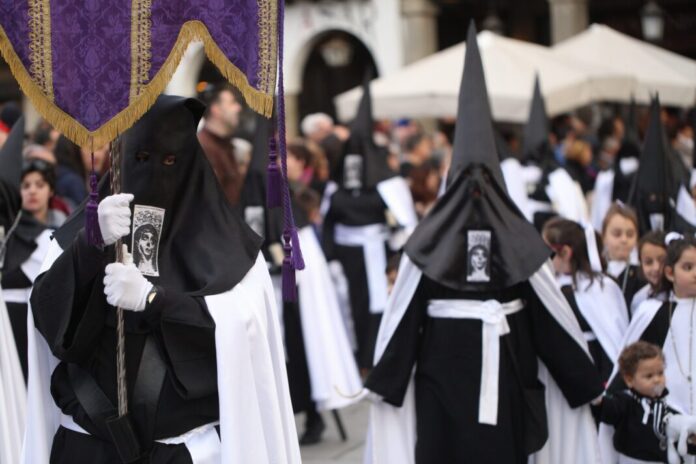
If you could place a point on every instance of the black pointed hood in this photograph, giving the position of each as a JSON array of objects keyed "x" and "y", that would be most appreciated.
[
  {"x": 371, "y": 159},
  {"x": 475, "y": 221},
  {"x": 474, "y": 136},
  {"x": 630, "y": 148},
  {"x": 11, "y": 156},
  {"x": 657, "y": 186},
  {"x": 501, "y": 146},
  {"x": 203, "y": 246},
  {"x": 535, "y": 138},
  {"x": 11, "y": 175}
]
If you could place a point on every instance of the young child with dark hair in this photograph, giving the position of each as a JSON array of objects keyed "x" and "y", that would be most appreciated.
[
  {"x": 640, "y": 414},
  {"x": 652, "y": 253},
  {"x": 596, "y": 300},
  {"x": 620, "y": 235},
  {"x": 670, "y": 325}
]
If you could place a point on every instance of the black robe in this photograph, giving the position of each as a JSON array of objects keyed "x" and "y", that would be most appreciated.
[
  {"x": 630, "y": 282},
  {"x": 602, "y": 361},
  {"x": 20, "y": 247},
  {"x": 448, "y": 358},
  {"x": 356, "y": 208},
  {"x": 71, "y": 312},
  {"x": 636, "y": 436}
]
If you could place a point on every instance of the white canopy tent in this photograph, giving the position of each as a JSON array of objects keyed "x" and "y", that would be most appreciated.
[
  {"x": 654, "y": 69},
  {"x": 429, "y": 87}
]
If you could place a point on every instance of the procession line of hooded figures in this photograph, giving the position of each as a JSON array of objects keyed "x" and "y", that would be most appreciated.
[{"x": 499, "y": 342}]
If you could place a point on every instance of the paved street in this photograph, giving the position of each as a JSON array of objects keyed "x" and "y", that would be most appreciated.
[{"x": 332, "y": 450}]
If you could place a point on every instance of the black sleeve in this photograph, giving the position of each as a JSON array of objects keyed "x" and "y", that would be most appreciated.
[
  {"x": 390, "y": 376},
  {"x": 68, "y": 301},
  {"x": 614, "y": 408},
  {"x": 327, "y": 234},
  {"x": 187, "y": 333},
  {"x": 570, "y": 366}
]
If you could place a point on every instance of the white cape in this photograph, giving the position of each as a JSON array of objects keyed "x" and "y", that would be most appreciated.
[
  {"x": 392, "y": 431},
  {"x": 12, "y": 392},
  {"x": 333, "y": 372},
  {"x": 603, "y": 306},
  {"x": 513, "y": 174},
  {"x": 566, "y": 196},
  {"x": 256, "y": 418}
]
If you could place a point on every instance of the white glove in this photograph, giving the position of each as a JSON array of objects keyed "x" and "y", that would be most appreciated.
[
  {"x": 678, "y": 428},
  {"x": 114, "y": 217},
  {"x": 124, "y": 285}
]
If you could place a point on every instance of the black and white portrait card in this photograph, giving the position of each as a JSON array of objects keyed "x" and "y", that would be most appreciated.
[
  {"x": 478, "y": 256},
  {"x": 147, "y": 231},
  {"x": 253, "y": 216},
  {"x": 352, "y": 171}
]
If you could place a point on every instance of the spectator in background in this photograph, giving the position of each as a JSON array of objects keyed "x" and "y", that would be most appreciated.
[
  {"x": 35, "y": 151},
  {"x": 221, "y": 121},
  {"x": 71, "y": 178},
  {"x": 578, "y": 163},
  {"x": 320, "y": 166},
  {"x": 424, "y": 181},
  {"x": 38, "y": 189},
  {"x": 242, "y": 155},
  {"x": 300, "y": 171},
  {"x": 320, "y": 129},
  {"x": 608, "y": 150},
  {"x": 46, "y": 135},
  {"x": 683, "y": 143},
  {"x": 418, "y": 149}
]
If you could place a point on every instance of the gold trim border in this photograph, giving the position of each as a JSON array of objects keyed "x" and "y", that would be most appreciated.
[
  {"x": 194, "y": 30},
  {"x": 141, "y": 46},
  {"x": 40, "y": 51}
]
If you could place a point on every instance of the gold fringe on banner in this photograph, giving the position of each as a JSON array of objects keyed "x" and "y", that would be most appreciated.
[{"x": 191, "y": 31}]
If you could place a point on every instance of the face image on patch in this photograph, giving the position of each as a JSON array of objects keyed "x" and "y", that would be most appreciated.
[
  {"x": 352, "y": 171},
  {"x": 147, "y": 231},
  {"x": 478, "y": 256},
  {"x": 253, "y": 216}
]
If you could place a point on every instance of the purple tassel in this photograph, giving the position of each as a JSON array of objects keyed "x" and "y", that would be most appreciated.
[
  {"x": 297, "y": 260},
  {"x": 273, "y": 189},
  {"x": 94, "y": 236},
  {"x": 289, "y": 286}
]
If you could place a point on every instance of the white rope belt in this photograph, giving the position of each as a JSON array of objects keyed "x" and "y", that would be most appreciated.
[
  {"x": 372, "y": 239},
  {"x": 16, "y": 295},
  {"x": 202, "y": 443},
  {"x": 493, "y": 315}
]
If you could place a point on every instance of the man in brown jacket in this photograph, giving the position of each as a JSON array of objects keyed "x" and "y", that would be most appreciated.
[{"x": 221, "y": 120}]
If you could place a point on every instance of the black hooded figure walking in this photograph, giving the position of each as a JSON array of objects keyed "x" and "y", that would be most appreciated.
[
  {"x": 307, "y": 335},
  {"x": 614, "y": 183},
  {"x": 23, "y": 241},
  {"x": 659, "y": 194},
  {"x": 473, "y": 305},
  {"x": 556, "y": 193},
  {"x": 357, "y": 224},
  {"x": 202, "y": 341}
]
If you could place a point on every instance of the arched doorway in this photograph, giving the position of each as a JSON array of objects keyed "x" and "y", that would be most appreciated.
[{"x": 337, "y": 62}]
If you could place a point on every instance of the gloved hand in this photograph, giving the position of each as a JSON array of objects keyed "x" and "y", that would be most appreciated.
[
  {"x": 114, "y": 217},
  {"x": 124, "y": 285},
  {"x": 678, "y": 427}
]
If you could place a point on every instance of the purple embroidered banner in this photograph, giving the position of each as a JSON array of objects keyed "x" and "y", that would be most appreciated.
[{"x": 93, "y": 67}]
